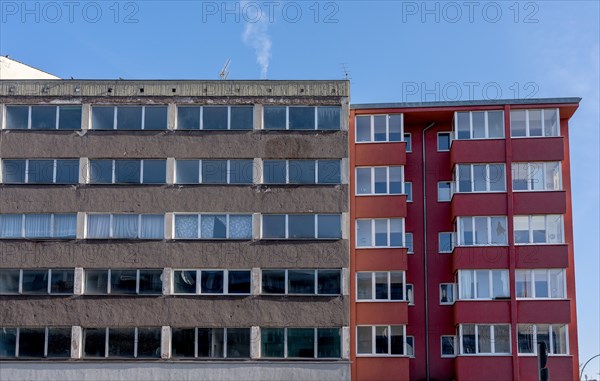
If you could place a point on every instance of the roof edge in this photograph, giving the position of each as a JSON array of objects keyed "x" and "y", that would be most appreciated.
[{"x": 482, "y": 102}]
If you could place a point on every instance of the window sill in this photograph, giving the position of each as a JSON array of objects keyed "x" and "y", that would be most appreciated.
[
  {"x": 380, "y": 142},
  {"x": 534, "y": 137},
  {"x": 380, "y": 301},
  {"x": 540, "y": 244},
  {"x": 485, "y": 355}
]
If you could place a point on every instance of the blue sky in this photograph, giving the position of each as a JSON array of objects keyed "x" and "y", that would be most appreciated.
[{"x": 393, "y": 51}]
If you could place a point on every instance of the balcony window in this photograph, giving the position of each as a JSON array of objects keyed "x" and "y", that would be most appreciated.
[
  {"x": 374, "y": 233},
  {"x": 482, "y": 231},
  {"x": 221, "y": 282},
  {"x": 122, "y": 342},
  {"x": 67, "y": 117},
  {"x": 541, "y": 283},
  {"x": 538, "y": 229},
  {"x": 480, "y": 178},
  {"x": 129, "y": 117},
  {"x": 479, "y": 125},
  {"x": 379, "y": 128},
  {"x": 301, "y": 282},
  {"x": 302, "y": 171},
  {"x": 379, "y": 180},
  {"x": 40, "y": 171},
  {"x": 541, "y": 176},
  {"x": 381, "y": 340},
  {"x": 380, "y": 286},
  {"x": 483, "y": 284},
  {"x": 534, "y": 123},
  {"x": 301, "y": 226},
  {"x": 302, "y": 117},
  {"x": 125, "y": 226},
  {"x": 490, "y": 339},
  {"x": 555, "y": 336}
]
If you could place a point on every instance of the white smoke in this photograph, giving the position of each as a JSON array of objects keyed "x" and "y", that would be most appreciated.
[{"x": 256, "y": 36}]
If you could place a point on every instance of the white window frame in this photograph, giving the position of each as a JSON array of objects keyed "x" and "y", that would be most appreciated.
[
  {"x": 551, "y": 339},
  {"x": 489, "y": 231},
  {"x": 527, "y": 133},
  {"x": 458, "y": 296},
  {"x": 372, "y": 128},
  {"x": 199, "y": 233},
  {"x": 455, "y": 347},
  {"x": 486, "y": 125},
  {"x": 532, "y": 167},
  {"x": 111, "y": 229},
  {"x": 451, "y": 186},
  {"x": 408, "y": 190},
  {"x": 452, "y": 242},
  {"x": 389, "y": 341},
  {"x": 387, "y": 181},
  {"x": 388, "y": 232},
  {"x": 199, "y": 282},
  {"x": 488, "y": 177},
  {"x": 532, "y": 288},
  {"x": 437, "y": 142},
  {"x": 409, "y": 250},
  {"x": 529, "y": 225},
  {"x": 410, "y": 338},
  {"x": 410, "y": 296},
  {"x": 492, "y": 340},
  {"x": 389, "y": 287},
  {"x": 57, "y": 123},
  {"x": 454, "y": 293},
  {"x": 287, "y": 233}
]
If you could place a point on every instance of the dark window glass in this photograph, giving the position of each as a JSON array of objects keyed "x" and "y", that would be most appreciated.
[
  {"x": 148, "y": 343},
  {"x": 328, "y": 343},
  {"x": 69, "y": 118},
  {"x": 37, "y": 225},
  {"x": 155, "y": 118},
  {"x": 381, "y": 285},
  {"x": 101, "y": 171},
  {"x": 31, "y": 342},
  {"x": 239, "y": 282},
  {"x": 329, "y": 171},
  {"x": 96, "y": 282},
  {"x": 188, "y": 118},
  {"x": 43, "y": 117},
  {"x": 59, "y": 342},
  {"x": 328, "y": 118},
  {"x": 238, "y": 342},
  {"x": 241, "y": 171},
  {"x": 274, "y": 171},
  {"x": 329, "y": 226},
  {"x": 408, "y": 140},
  {"x": 214, "y": 118},
  {"x": 301, "y": 342},
  {"x": 40, "y": 172},
  {"x": 242, "y": 118},
  {"x": 302, "y": 118},
  {"x": 94, "y": 342},
  {"x": 444, "y": 141},
  {"x": 8, "y": 342},
  {"x": 184, "y": 282},
  {"x": 301, "y": 281},
  {"x": 17, "y": 117},
  {"x": 155, "y": 171},
  {"x": 214, "y": 171},
  {"x": 67, "y": 171},
  {"x": 396, "y": 286},
  {"x": 274, "y": 117},
  {"x": 301, "y": 226},
  {"x": 61, "y": 282},
  {"x": 103, "y": 118},
  {"x": 468, "y": 339},
  {"x": 397, "y": 337},
  {"x": 212, "y": 282},
  {"x": 210, "y": 342},
  {"x": 188, "y": 171},
  {"x": 127, "y": 171},
  {"x": 150, "y": 282},
  {"x": 273, "y": 281},
  {"x": 273, "y": 226},
  {"x": 448, "y": 345},
  {"x": 381, "y": 339},
  {"x": 183, "y": 342},
  {"x": 329, "y": 282},
  {"x": 13, "y": 171},
  {"x": 301, "y": 171},
  {"x": 9, "y": 282},
  {"x": 122, "y": 281},
  {"x": 129, "y": 118},
  {"x": 272, "y": 342},
  {"x": 121, "y": 342}
]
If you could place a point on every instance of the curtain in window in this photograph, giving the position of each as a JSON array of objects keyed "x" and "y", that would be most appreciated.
[
  {"x": 213, "y": 226},
  {"x": 153, "y": 226},
  {"x": 98, "y": 226},
  {"x": 37, "y": 225},
  {"x": 125, "y": 226},
  {"x": 11, "y": 226},
  {"x": 65, "y": 225},
  {"x": 240, "y": 227},
  {"x": 186, "y": 226}
]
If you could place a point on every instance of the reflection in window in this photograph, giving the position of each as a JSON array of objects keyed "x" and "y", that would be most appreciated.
[
  {"x": 534, "y": 123},
  {"x": 302, "y": 117},
  {"x": 301, "y": 282},
  {"x": 67, "y": 117},
  {"x": 301, "y": 226},
  {"x": 479, "y": 125},
  {"x": 129, "y": 117},
  {"x": 227, "y": 282},
  {"x": 40, "y": 171},
  {"x": 215, "y": 117}
]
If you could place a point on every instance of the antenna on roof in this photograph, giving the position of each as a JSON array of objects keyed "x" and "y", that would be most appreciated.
[
  {"x": 224, "y": 73},
  {"x": 345, "y": 69}
]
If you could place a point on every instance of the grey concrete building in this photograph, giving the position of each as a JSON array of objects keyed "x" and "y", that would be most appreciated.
[{"x": 172, "y": 230}]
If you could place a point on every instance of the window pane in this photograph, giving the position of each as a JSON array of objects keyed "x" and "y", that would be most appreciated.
[
  {"x": 466, "y": 230},
  {"x": 241, "y": 171},
  {"x": 520, "y": 173},
  {"x": 59, "y": 342},
  {"x": 127, "y": 171},
  {"x": 408, "y": 140},
  {"x": 536, "y": 176},
  {"x": 301, "y": 342},
  {"x": 467, "y": 284},
  {"x": 328, "y": 118},
  {"x": 242, "y": 118},
  {"x": 444, "y": 191},
  {"x": 408, "y": 191},
  {"x": 301, "y": 226},
  {"x": 380, "y": 180},
  {"x": 552, "y": 175},
  {"x": 535, "y": 122},
  {"x": 446, "y": 293},
  {"x": 363, "y": 181},
  {"x": 96, "y": 282},
  {"x": 501, "y": 339},
  {"x": 61, "y": 281},
  {"x": 464, "y": 178},
  {"x": 541, "y": 283},
  {"x": 98, "y": 226},
  {"x": 395, "y": 180},
  {"x": 396, "y": 234},
  {"x": 210, "y": 342},
  {"x": 155, "y": 171},
  {"x": 525, "y": 338},
  {"x": 103, "y": 117},
  {"x": 444, "y": 141},
  {"x": 380, "y": 127},
  {"x": 410, "y": 346},
  {"x": 329, "y": 226},
  {"x": 123, "y": 282},
  {"x": 9, "y": 281},
  {"x": 13, "y": 171},
  {"x": 184, "y": 282},
  {"x": 40, "y": 172},
  {"x": 272, "y": 342},
  {"x": 484, "y": 338},
  {"x": 481, "y": 230},
  {"x": 543, "y": 335},
  {"x": 538, "y": 228},
  {"x": 153, "y": 226},
  {"x": 523, "y": 279},
  {"x": 499, "y": 229},
  {"x": 483, "y": 284},
  {"x": 364, "y": 286},
  {"x": 551, "y": 127},
  {"x": 17, "y": 118},
  {"x": 211, "y": 282},
  {"x": 495, "y": 124},
  {"x": 214, "y": 118},
  {"x": 274, "y": 171},
  {"x": 301, "y": 171},
  {"x": 101, "y": 171},
  {"x": 35, "y": 281},
  {"x": 448, "y": 346},
  {"x": 186, "y": 226},
  {"x": 395, "y": 123},
  {"x": 409, "y": 242},
  {"x": 521, "y": 227},
  {"x": 302, "y": 118},
  {"x": 328, "y": 282},
  {"x": 239, "y": 282},
  {"x": 125, "y": 226},
  {"x": 381, "y": 233},
  {"x": 238, "y": 342},
  {"x": 517, "y": 123},
  {"x": 183, "y": 342},
  {"x": 480, "y": 178},
  {"x": 273, "y": 226},
  {"x": 129, "y": 118},
  {"x": 274, "y": 117},
  {"x": 478, "y": 125},
  {"x": 397, "y": 337},
  {"x": 121, "y": 342},
  {"x": 213, "y": 226},
  {"x": 273, "y": 281},
  {"x": 240, "y": 227},
  {"x": 155, "y": 118},
  {"x": 364, "y": 338},
  {"x": 364, "y": 233},
  {"x": 301, "y": 281},
  {"x": 396, "y": 286},
  {"x": 500, "y": 284},
  {"x": 559, "y": 339},
  {"x": 381, "y": 339},
  {"x": 329, "y": 171},
  {"x": 188, "y": 118},
  {"x": 381, "y": 285},
  {"x": 150, "y": 282},
  {"x": 328, "y": 343},
  {"x": 557, "y": 283},
  {"x": 67, "y": 171},
  {"x": 149, "y": 344},
  {"x": 555, "y": 228},
  {"x": 496, "y": 178},
  {"x": 43, "y": 117},
  {"x": 188, "y": 171},
  {"x": 363, "y": 128},
  {"x": 37, "y": 226},
  {"x": 445, "y": 244},
  {"x": 94, "y": 342},
  {"x": 463, "y": 124},
  {"x": 214, "y": 171}
]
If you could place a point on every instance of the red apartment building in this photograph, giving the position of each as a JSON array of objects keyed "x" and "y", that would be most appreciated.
[{"x": 461, "y": 240}]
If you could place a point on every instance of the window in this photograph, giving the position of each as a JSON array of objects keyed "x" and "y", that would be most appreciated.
[
  {"x": 67, "y": 117},
  {"x": 408, "y": 191},
  {"x": 381, "y": 340},
  {"x": 534, "y": 123},
  {"x": 301, "y": 282},
  {"x": 443, "y": 141},
  {"x": 123, "y": 282},
  {"x": 447, "y": 292},
  {"x": 444, "y": 191},
  {"x": 122, "y": 342},
  {"x": 38, "y": 226},
  {"x": 301, "y": 226},
  {"x": 213, "y": 226},
  {"x": 302, "y": 117},
  {"x": 484, "y": 339},
  {"x": 446, "y": 242},
  {"x": 36, "y": 281},
  {"x": 300, "y": 343},
  {"x": 481, "y": 231},
  {"x": 538, "y": 229},
  {"x": 214, "y": 171},
  {"x": 215, "y": 117},
  {"x": 542, "y": 176},
  {"x": 50, "y": 342},
  {"x": 408, "y": 140},
  {"x": 409, "y": 243},
  {"x": 555, "y": 336},
  {"x": 374, "y": 233},
  {"x": 410, "y": 294},
  {"x": 449, "y": 344},
  {"x": 410, "y": 346},
  {"x": 228, "y": 282},
  {"x": 129, "y": 117},
  {"x": 128, "y": 171},
  {"x": 40, "y": 171},
  {"x": 483, "y": 284},
  {"x": 479, "y": 125},
  {"x": 379, "y": 128},
  {"x": 380, "y": 286},
  {"x": 302, "y": 171},
  {"x": 480, "y": 178},
  {"x": 541, "y": 283},
  {"x": 210, "y": 343},
  {"x": 125, "y": 226},
  {"x": 379, "y": 180}
]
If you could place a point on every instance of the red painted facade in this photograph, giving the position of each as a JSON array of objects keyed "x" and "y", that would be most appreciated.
[{"x": 427, "y": 268}]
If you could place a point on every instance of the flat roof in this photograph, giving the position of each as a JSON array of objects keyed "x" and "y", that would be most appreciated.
[{"x": 483, "y": 102}]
